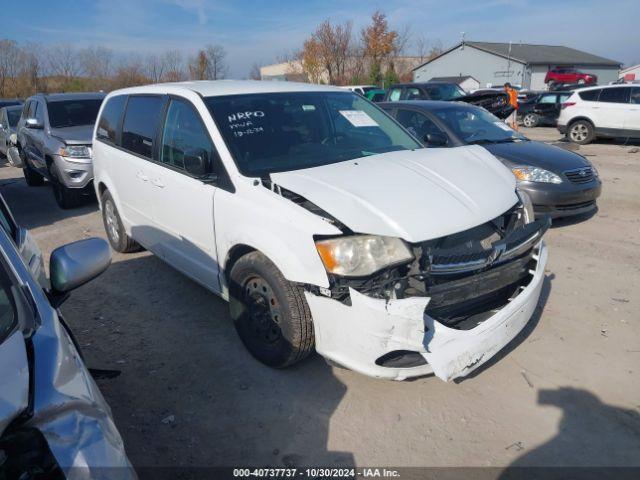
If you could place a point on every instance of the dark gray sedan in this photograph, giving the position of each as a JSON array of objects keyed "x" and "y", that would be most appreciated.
[{"x": 560, "y": 183}]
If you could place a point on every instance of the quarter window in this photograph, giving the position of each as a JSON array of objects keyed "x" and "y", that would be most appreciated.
[
  {"x": 141, "y": 124},
  {"x": 184, "y": 133},
  {"x": 110, "y": 118},
  {"x": 615, "y": 95}
]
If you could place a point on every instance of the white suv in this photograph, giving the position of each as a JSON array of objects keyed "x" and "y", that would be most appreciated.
[
  {"x": 323, "y": 222},
  {"x": 611, "y": 111}
]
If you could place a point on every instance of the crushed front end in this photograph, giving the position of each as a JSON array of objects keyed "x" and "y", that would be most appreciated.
[{"x": 460, "y": 301}]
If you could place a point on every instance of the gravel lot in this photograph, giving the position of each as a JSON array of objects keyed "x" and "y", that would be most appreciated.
[{"x": 565, "y": 392}]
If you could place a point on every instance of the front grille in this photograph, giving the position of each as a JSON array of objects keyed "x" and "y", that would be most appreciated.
[{"x": 580, "y": 175}]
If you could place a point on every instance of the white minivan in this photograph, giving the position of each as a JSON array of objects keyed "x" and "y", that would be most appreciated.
[{"x": 323, "y": 222}]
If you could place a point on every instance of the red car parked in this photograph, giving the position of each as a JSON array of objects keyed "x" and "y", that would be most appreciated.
[{"x": 569, "y": 75}]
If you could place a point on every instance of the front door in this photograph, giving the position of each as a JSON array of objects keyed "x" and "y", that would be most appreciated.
[
  {"x": 632, "y": 117},
  {"x": 183, "y": 203}
]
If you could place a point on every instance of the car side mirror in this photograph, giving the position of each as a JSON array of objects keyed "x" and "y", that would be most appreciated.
[
  {"x": 196, "y": 162},
  {"x": 77, "y": 263},
  {"x": 33, "y": 124},
  {"x": 436, "y": 139}
]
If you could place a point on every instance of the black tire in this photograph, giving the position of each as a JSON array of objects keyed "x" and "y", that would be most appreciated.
[
  {"x": 118, "y": 238},
  {"x": 66, "y": 198},
  {"x": 270, "y": 313},
  {"x": 581, "y": 132},
  {"x": 33, "y": 178},
  {"x": 531, "y": 120}
]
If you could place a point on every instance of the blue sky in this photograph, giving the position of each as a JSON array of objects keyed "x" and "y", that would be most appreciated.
[{"x": 260, "y": 31}]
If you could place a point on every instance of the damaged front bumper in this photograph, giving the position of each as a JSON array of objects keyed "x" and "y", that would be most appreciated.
[{"x": 396, "y": 339}]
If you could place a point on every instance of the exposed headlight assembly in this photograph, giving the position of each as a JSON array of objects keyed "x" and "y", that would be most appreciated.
[
  {"x": 534, "y": 174},
  {"x": 527, "y": 204},
  {"x": 361, "y": 255},
  {"x": 75, "y": 151}
]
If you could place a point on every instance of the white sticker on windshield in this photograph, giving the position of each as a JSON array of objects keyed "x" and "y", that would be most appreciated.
[
  {"x": 358, "y": 118},
  {"x": 503, "y": 126}
]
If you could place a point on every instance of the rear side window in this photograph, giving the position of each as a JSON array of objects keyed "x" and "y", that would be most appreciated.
[
  {"x": 394, "y": 94},
  {"x": 590, "y": 95},
  {"x": 547, "y": 99},
  {"x": 141, "y": 123},
  {"x": 615, "y": 95},
  {"x": 110, "y": 119}
]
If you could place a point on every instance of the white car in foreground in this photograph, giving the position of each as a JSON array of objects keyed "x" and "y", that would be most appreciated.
[
  {"x": 323, "y": 222},
  {"x": 607, "y": 111}
]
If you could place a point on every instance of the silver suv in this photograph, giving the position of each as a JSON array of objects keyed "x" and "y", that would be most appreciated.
[{"x": 54, "y": 142}]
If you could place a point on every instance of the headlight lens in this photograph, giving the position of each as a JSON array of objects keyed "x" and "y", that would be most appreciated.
[
  {"x": 75, "y": 151},
  {"x": 360, "y": 255},
  {"x": 535, "y": 174},
  {"x": 525, "y": 199}
]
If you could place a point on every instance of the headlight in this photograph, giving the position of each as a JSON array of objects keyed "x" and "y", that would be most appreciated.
[
  {"x": 360, "y": 255},
  {"x": 75, "y": 151},
  {"x": 535, "y": 174},
  {"x": 525, "y": 199}
]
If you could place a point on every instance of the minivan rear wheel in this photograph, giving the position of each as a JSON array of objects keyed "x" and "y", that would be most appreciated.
[
  {"x": 118, "y": 238},
  {"x": 581, "y": 132},
  {"x": 271, "y": 314},
  {"x": 531, "y": 120}
]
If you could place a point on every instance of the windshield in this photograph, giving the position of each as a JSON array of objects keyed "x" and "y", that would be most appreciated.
[
  {"x": 444, "y": 92},
  {"x": 73, "y": 113},
  {"x": 277, "y": 132},
  {"x": 476, "y": 125},
  {"x": 13, "y": 116}
]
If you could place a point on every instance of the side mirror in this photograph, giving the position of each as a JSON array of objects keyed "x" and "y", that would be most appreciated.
[
  {"x": 196, "y": 162},
  {"x": 32, "y": 123},
  {"x": 435, "y": 139},
  {"x": 77, "y": 263}
]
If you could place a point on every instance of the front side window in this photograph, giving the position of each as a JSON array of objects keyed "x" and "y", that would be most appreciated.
[
  {"x": 110, "y": 118},
  {"x": 73, "y": 113},
  {"x": 140, "y": 124},
  {"x": 278, "y": 132},
  {"x": 32, "y": 108},
  {"x": 475, "y": 125},
  {"x": 615, "y": 95},
  {"x": 412, "y": 94},
  {"x": 184, "y": 133},
  {"x": 394, "y": 94},
  {"x": 417, "y": 123},
  {"x": 40, "y": 113}
]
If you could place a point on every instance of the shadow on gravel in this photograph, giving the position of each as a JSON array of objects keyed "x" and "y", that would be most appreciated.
[
  {"x": 35, "y": 207},
  {"x": 594, "y": 441},
  {"x": 190, "y": 396},
  {"x": 523, "y": 335}
]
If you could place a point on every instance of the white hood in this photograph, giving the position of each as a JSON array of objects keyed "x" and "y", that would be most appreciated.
[{"x": 415, "y": 195}]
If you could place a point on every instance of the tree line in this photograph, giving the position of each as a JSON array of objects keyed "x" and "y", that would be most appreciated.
[
  {"x": 335, "y": 54},
  {"x": 29, "y": 68}
]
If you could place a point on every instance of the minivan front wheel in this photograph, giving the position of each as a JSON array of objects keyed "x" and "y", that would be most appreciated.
[
  {"x": 271, "y": 314},
  {"x": 581, "y": 132},
  {"x": 118, "y": 238}
]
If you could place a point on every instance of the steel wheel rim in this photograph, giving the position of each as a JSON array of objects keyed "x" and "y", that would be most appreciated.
[
  {"x": 579, "y": 132},
  {"x": 112, "y": 221},
  {"x": 263, "y": 310}
]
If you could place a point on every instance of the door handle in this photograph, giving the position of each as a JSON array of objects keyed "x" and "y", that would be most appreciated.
[
  {"x": 142, "y": 176},
  {"x": 157, "y": 182}
]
